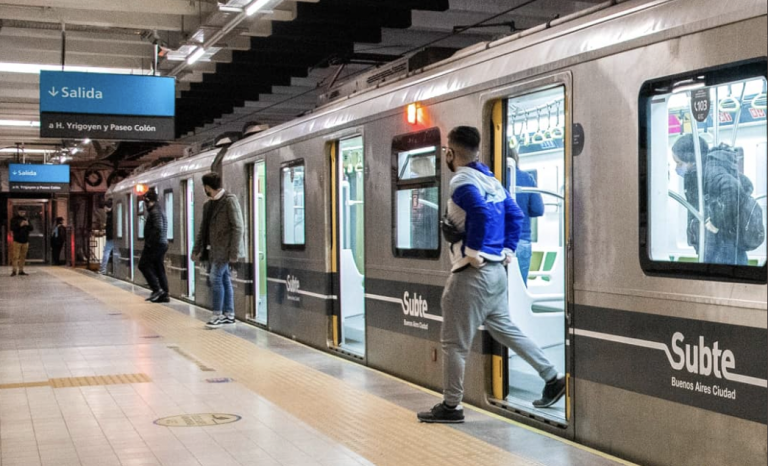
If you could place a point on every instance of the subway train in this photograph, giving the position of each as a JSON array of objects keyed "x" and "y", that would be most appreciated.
[{"x": 664, "y": 345}]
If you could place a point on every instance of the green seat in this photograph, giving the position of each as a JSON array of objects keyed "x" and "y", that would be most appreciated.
[
  {"x": 548, "y": 306},
  {"x": 536, "y": 260},
  {"x": 687, "y": 259},
  {"x": 549, "y": 262}
]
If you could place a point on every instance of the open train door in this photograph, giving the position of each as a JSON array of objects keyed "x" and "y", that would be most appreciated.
[{"x": 531, "y": 157}]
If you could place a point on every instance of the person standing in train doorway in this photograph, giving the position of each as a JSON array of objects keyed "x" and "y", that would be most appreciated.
[
  {"x": 20, "y": 227},
  {"x": 155, "y": 247},
  {"x": 109, "y": 243},
  {"x": 483, "y": 225},
  {"x": 532, "y": 206},
  {"x": 220, "y": 243}
]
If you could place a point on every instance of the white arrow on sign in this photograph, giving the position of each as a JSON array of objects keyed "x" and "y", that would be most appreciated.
[{"x": 53, "y": 92}]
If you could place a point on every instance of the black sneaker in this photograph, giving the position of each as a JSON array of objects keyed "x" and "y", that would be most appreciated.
[
  {"x": 161, "y": 297},
  {"x": 216, "y": 321},
  {"x": 13, "y": 274},
  {"x": 154, "y": 295},
  {"x": 23, "y": 273},
  {"x": 553, "y": 391},
  {"x": 442, "y": 414},
  {"x": 227, "y": 320}
]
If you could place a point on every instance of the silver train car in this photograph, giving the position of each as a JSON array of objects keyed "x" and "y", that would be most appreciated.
[{"x": 664, "y": 347}]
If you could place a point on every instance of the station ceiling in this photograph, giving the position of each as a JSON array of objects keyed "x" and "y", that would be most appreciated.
[{"x": 268, "y": 67}]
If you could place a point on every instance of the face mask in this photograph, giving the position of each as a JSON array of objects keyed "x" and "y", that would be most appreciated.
[{"x": 682, "y": 170}]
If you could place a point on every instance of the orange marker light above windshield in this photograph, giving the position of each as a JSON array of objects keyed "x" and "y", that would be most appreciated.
[
  {"x": 140, "y": 189},
  {"x": 410, "y": 113}
]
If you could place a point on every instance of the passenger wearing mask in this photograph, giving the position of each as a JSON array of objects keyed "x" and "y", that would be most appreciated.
[
  {"x": 155, "y": 247},
  {"x": 109, "y": 244},
  {"x": 483, "y": 226},
  {"x": 220, "y": 243},
  {"x": 532, "y": 206},
  {"x": 723, "y": 187},
  {"x": 20, "y": 227},
  {"x": 58, "y": 239}
]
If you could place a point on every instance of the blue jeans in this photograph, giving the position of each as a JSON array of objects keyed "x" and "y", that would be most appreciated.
[
  {"x": 221, "y": 289},
  {"x": 108, "y": 247},
  {"x": 523, "y": 254}
]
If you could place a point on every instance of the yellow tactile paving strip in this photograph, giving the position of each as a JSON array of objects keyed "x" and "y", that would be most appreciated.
[
  {"x": 376, "y": 429},
  {"x": 91, "y": 381}
]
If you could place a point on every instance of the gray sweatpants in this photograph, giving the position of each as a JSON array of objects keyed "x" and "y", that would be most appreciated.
[{"x": 471, "y": 298}]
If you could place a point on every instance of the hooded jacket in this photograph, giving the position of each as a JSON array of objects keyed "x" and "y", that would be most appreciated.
[{"x": 483, "y": 210}]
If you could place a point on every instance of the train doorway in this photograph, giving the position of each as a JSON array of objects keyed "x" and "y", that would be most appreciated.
[
  {"x": 188, "y": 187},
  {"x": 531, "y": 143},
  {"x": 131, "y": 237},
  {"x": 349, "y": 207},
  {"x": 258, "y": 192}
]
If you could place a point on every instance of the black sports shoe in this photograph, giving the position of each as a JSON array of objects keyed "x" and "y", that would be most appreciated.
[
  {"x": 442, "y": 414},
  {"x": 553, "y": 391},
  {"x": 153, "y": 296},
  {"x": 13, "y": 274},
  {"x": 162, "y": 297},
  {"x": 23, "y": 273}
]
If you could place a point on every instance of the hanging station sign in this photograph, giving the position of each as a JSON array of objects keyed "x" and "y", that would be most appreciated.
[
  {"x": 107, "y": 106},
  {"x": 28, "y": 178}
]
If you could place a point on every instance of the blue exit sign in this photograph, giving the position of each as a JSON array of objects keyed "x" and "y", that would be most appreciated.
[
  {"x": 28, "y": 173},
  {"x": 107, "y": 94}
]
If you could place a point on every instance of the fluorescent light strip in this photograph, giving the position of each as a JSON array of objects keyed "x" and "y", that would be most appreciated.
[
  {"x": 12, "y": 150},
  {"x": 194, "y": 56},
  {"x": 232, "y": 9},
  {"x": 36, "y": 68},
  {"x": 29, "y": 123},
  {"x": 255, "y": 6}
]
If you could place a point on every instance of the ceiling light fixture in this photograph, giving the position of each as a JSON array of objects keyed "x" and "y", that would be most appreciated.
[
  {"x": 255, "y": 6},
  {"x": 194, "y": 56},
  {"x": 36, "y": 68},
  {"x": 231, "y": 9},
  {"x": 11, "y": 150},
  {"x": 86, "y": 141}
]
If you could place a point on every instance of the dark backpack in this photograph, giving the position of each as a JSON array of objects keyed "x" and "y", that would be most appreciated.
[{"x": 751, "y": 229}]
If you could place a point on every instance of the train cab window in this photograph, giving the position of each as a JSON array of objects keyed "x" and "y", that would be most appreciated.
[
  {"x": 703, "y": 157},
  {"x": 292, "y": 199},
  {"x": 168, "y": 207},
  {"x": 142, "y": 220},
  {"x": 416, "y": 194},
  {"x": 119, "y": 224}
]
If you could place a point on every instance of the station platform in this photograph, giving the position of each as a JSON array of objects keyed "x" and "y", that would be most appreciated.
[{"x": 91, "y": 374}]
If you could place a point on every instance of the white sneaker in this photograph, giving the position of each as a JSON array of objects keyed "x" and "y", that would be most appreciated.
[{"x": 216, "y": 321}]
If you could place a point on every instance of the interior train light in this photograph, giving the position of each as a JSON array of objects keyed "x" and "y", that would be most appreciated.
[{"x": 140, "y": 189}]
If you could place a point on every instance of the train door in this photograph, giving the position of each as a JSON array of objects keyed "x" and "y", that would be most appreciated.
[
  {"x": 531, "y": 161},
  {"x": 257, "y": 187},
  {"x": 131, "y": 238},
  {"x": 37, "y": 215},
  {"x": 349, "y": 211},
  {"x": 188, "y": 187}
]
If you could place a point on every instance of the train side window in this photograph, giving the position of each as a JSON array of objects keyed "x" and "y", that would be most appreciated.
[
  {"x": 707, "y": 222},
  {"x": 119, "y": 220},
  {"x": 292, "y": 204},
  {"x": 416, "y": 194},
  {"x": 168, "y": 196},
  {"x": 142, "y": 219}
]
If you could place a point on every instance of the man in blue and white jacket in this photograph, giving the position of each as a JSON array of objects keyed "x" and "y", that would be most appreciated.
[{"x": 486, "y": 224}]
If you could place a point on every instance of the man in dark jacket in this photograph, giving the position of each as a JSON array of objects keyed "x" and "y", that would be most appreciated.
[
  {"x": 58, "y": 239},
  {"x": 155, "y": 247},
  {"x": 532, "y": 206},
  {"x": 220, "y": 242},
  {"x": 722, "y": 187},
  {"x": 20, "y": 227}
]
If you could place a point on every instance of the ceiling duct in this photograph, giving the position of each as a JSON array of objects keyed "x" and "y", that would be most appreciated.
[{"x": 386, "y": 73}]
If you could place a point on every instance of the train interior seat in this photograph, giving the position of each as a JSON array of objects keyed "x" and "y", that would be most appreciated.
[{"x": 352, "y": 300}]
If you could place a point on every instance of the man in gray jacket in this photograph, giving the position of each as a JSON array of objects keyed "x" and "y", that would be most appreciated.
[{"x": 220, "y": 242}]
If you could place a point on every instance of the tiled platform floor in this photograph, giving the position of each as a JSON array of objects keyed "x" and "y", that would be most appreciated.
[{"x": 65, "y": 334}]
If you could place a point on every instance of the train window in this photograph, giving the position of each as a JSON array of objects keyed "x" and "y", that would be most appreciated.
[
  {"x": 707, "y": 222},
  {"x": 168, "y": 196},
  {"x": 416, "y": 194},
  {"x": 292, "y": 199},
  {"x": 142, "y": 220},
  {"x": 119, "y": 225}
]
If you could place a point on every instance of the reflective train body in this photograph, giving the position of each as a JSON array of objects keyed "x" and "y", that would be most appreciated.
[{"x": 664, "y": 347}]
